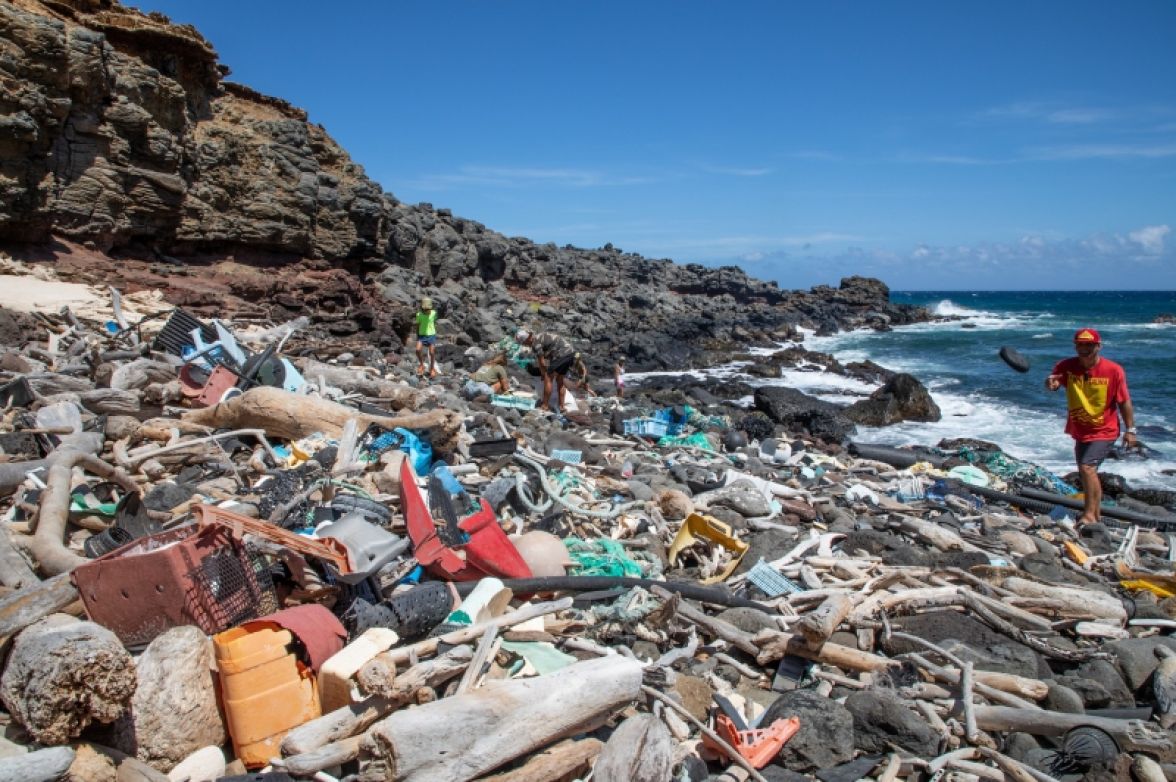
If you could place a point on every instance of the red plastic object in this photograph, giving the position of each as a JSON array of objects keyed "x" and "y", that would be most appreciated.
[
  {"x": 219, "y": 381},
  {"x": 489, "y": 551},
  {"x": 757, "y": 746},
  {"x": 185, "y": 576}
]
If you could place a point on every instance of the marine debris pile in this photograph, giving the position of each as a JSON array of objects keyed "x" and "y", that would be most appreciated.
[{"x": 224, "y": 558}]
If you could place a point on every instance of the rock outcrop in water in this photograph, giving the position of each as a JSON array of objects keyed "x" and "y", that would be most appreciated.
[{"x": 121, "y": 139}]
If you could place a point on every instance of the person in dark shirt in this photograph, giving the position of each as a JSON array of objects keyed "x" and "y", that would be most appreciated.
[{"x": 555, "y": 356}]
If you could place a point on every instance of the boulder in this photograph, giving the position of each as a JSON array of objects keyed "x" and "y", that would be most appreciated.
[
  {"x": 880, "y": 719},
  {"x": 174, "y": 711},
  {"x": 799, "y": 412},
  {"x": 63, "y": 674},
  {"x": 826, "y": 735},
  {"x": 903, "y": 398},
  {"x": 1136, "y": 658}
]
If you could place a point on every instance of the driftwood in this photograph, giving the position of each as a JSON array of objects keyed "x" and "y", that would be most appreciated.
[
  {"x": 33, "y": 603},
  {"x": 293, "y": 416},
  {"x": 1130, "y": 735},
  {"x": 310, "y": 763},
  {"x": 641, "y": 749},
  {"x": 773, "y": 645},
  {"x": 101, "y": 400},
  {"x": 14, "y": 569},
  {"x": 817, "y": 625},
  {"x": 555, "y": 763},
  {"x": 356, "y": 381},
  {"x": 48, "y": 545},
  {"x": 49, "y": 660},
  {"x": 500, "y": 721},
  {"x": 387, "y": 694},
  {"x": 13, "y": 474},
  {"x": 1073, "y": 602}
]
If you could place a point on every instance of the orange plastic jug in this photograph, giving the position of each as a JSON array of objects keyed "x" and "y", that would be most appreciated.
[{"x": 265, "y": 689}]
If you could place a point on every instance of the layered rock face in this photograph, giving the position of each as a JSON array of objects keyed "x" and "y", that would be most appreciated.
[{"x": 119, "y": 132}]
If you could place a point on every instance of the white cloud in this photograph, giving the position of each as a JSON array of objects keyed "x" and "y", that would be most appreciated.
[
  {"x": 731, "y": 171},
  {"x": 1151, "y": 238},
  {"x": 1104, "y": 151},
  {"x": 506, "y": 176}
]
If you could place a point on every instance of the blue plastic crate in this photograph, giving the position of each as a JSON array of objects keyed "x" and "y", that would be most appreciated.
[
  {"x": 520, "y": 402},
  {"x": 651, "y": 427}
]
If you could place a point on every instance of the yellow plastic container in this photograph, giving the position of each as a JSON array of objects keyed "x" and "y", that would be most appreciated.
[
  {"x": 265, "y": 689},
  {"x": 715, "y": 533}
]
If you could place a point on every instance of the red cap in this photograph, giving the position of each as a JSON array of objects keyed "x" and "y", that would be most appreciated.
[{"x": 1087, "y": 335}]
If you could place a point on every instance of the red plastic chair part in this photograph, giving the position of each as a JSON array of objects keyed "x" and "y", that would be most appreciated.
[
  {"x": 220, "y": 380},
  {"x": 488, "y": 552},
  {"x": 757, "y": 746}
]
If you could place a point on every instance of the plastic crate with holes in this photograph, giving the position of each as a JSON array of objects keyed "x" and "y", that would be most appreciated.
[{"x": 651, "y": 427}]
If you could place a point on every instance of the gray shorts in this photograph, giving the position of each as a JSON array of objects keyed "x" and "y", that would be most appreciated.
[{"x": 1092, "y": 451}]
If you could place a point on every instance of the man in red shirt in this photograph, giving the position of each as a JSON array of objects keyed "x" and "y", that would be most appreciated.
[{"x": 1096, "y": 393}]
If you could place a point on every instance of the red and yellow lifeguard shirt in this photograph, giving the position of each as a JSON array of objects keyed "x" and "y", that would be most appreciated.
[{"x": 1093, "y": 397}]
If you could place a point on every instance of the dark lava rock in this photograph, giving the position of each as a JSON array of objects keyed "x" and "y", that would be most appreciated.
[
  {"x": 851, "y": 771},
  {"x": 880, "y": 718},
  {"x": 1064, "y": 699},
  {"x": 768, "y": 545},
  {"x": 893, "y": 549},
  {"x": 903, "y": 398},
  {"x": 749, "y": 620},
  {"x": 757, "y": 426},
  {"x": 1107, "y": 675},
  {"x": 1137, "y": 659},
  {"x": 1092, "y": 693},
  {"x": 797, "y": 411},
  {"x": 826, "y": 735},
  {"x": 970, "y": 640}
]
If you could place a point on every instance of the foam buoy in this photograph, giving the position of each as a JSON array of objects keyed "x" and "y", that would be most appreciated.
[{"x": 1014, "y": 359}]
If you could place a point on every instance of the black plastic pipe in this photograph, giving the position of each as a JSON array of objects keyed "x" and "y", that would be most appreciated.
[{"x": 703, "y": 594}]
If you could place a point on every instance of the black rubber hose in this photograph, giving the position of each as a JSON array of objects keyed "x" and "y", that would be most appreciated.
[
  {"x": 1027, "y": 503},
  {"x": 1107, "y": 510},
  {"x": 703, "y": 594},
  {"x": 895, "y": 457}
]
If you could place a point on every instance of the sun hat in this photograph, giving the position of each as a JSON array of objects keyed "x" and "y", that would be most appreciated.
[
  {"x": 522, "y": 335},
  {"x": 1087, "y": 335},
  {"x": 426, "y": 303}
]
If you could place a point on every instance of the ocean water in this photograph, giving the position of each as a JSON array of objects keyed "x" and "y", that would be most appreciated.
[{"x": 980, "y": 396}]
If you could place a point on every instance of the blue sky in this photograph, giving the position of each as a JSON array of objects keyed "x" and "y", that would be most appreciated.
[{"x": 936, "y": 145}]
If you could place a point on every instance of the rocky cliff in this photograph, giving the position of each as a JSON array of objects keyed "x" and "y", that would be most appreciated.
[{"x": 125, "y": 154}]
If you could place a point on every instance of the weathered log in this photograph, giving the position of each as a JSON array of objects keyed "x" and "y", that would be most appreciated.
[
  {"x": 385, "y": 696},
  {"x": 1073, "y": 602},
  {"x": 354, "y": 380},
  {"x": 140, "y": 373},
  {"x": 553, "y": 764},
  {"x": 293, "y": 416},
  {"x": 1130, "y": 735},
  {"x": 14, "y": 568},
  {"x": 62, "y": 674},
  {"x": 44, "y": 765},
  {"x": 1004, "y": 688},
  {"x": 640, "y": 750},
  {"x": 33, "y": 603},
  {"x": 774, "y": 645},
  {"x": 498, "y": 722},
  {"x": 13, "y": 474},
  {"x": 310, "y": 763},
  {"x": 717, "y": 627},
  {"x": 48, "y": 545},
  {"x": 817, "y": 625}
]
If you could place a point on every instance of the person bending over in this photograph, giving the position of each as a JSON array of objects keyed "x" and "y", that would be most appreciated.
[
  {"x": 493, "y": 374},
  {"x": 555, "y": 356},
  {"x": 1096, "y": 394}
]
